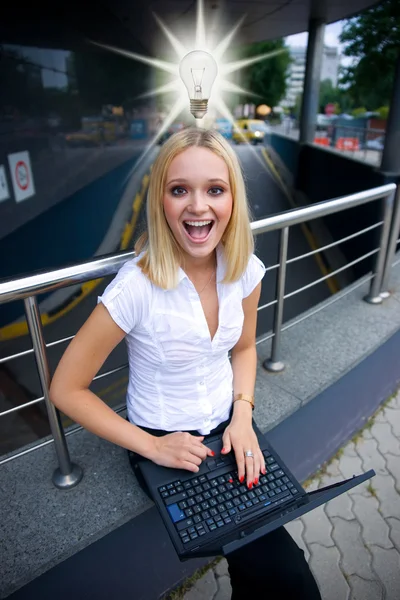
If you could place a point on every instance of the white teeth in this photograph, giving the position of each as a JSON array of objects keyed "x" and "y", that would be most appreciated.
[{"x": 198, "y": 223}]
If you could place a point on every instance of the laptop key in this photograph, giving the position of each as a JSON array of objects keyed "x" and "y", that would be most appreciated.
[
  {"x": 197, "y": 519},
  {"x": 220, "y": 524},
  {"x": 182, "y": 505},
  {"x": 186, "y": 539},
  {"x": 202, "y": 479},
  {"x": 213, "y": 512},
  {"x": 175, "y": 499},
  {"x": 279, "y": 473},
  {"x": 165, "y": 495},
  {"x": 175, "y": 513},
  {"x": 191, "y": 502},
  {"x": 197, "y": 509},
  {"x": 185, "y": 524},
  {"x": 189, "y": 512},
  {"x": 285, "y": 479},
  {"x": 187, "y": 485},
  {"x": 232, "y": 511}
]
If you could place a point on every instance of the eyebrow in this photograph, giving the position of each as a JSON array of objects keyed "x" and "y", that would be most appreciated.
[{"x": 213, "y": 180}]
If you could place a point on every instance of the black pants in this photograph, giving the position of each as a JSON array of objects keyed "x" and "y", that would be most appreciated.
[{"x": 271, "y": 568}]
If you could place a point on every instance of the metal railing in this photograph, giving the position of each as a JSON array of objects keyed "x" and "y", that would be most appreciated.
[{"x": 27, "y": 288}]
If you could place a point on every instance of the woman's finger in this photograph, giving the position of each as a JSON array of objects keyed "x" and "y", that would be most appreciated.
[
  {"x": 239, "y": 455},
  {"x": 250, "y": 471},
  {"x": 188, "y": 466}
]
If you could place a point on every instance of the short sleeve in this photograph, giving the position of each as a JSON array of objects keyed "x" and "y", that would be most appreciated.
[
  {"x": 126, "y": 297},
  {"x": 255, "y": 271}
]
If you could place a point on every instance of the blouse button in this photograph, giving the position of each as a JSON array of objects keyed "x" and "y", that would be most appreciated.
[{"x": 201, "y": 382}]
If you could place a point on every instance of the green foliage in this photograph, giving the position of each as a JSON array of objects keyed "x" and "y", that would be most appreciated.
[
  {"x": 266, "y": 78},
  {"x": 373, "y": 39},
  {"x": 359, "y": 112},
  {"x": 383, "y": 112}
]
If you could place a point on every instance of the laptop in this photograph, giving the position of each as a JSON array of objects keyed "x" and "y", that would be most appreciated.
[{"x": 211, "y": 513}]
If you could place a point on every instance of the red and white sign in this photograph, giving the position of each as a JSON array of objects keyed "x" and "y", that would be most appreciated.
[
  {"x": 330, "y": 109},
  {"x": 21, "y": 175}
]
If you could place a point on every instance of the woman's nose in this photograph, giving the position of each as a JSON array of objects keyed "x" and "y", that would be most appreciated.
[{"x": 198, "y": 203}]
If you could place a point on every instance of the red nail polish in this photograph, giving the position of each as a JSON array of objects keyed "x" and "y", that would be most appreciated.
[
  {"x": 212, "y": 453},
  {"x": 223, "y": 450},
  {"x": 241, "y": 479},
  {"x": 256, "y": 482},
  {"x": 230, "y": 480},
  {"x": 250, "y": 485}
]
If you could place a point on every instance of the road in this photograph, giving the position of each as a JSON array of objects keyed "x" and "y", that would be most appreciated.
[{"x": 20, "y": 381}]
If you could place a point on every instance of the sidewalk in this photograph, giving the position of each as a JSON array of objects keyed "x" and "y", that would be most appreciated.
[{"x": 353, "y": 542}]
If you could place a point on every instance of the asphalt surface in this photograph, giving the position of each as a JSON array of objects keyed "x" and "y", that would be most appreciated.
[{"x": 19, "y": 381}]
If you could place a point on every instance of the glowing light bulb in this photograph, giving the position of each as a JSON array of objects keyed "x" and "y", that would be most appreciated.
[{"x": 198, "y": 71}]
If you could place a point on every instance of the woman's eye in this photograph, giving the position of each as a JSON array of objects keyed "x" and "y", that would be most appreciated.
[
  {"x": 215, "y": 191},
  {"x": 178, "y": 191}
]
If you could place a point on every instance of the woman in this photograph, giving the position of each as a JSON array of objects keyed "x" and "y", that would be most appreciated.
[{"x": 187, "y": 299}]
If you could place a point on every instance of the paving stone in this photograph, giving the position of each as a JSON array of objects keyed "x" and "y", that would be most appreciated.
[
  {"x": 393, "y": 466},
  {"x": 317, "y": 527},
  {"x": 204, "y": 589},
  {"x": 362, "y": 589},
  {"x": 222, "y": 568},
  {"x": 340, "y": 507},
  {"x": 393, "y": 416},
  {"x": 394, "y": 526},
  {"x": 386, "y": 564},
  {"x": 355, "y": 557},
  {"x": 224, "y": 588},
  {"x": 329, "y": 479},
  {"x": 295, "y": 529},
  {"x": 349, "y": 449},
  {"x": 312, "y": 485},
  {"x": 324, "y": 563},
  {"x": 373, "y": 527},
  {"x": 395, "y": 401},
  {"x": 350, "y": 466},
  {"x": 388, "y": 497},
  {"x": 380, "y": 417},
  {"x": 387, "y": 442},
  {"x": 367, "y": 449}
]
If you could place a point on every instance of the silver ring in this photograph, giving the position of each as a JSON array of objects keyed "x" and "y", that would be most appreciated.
[{"x": 249, "y": 454}]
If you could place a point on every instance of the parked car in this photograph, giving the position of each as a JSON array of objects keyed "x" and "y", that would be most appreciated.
[
  {"x": 376, "y": 144},
  {"x": 252, "y": 130}
]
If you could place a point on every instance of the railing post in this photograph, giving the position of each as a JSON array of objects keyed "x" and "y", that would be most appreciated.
[
  {"x": 274, "y": 364},
  {"x": 67, "y": 474},
  {"x": 374, "y": 297},
  {"x": 385, "y": 293}
]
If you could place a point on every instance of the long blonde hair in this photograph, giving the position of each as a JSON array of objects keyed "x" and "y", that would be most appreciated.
[{"x": 162, "y": 255}]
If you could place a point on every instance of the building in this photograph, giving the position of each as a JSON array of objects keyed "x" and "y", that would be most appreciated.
[{"x": 297, "y": 69}]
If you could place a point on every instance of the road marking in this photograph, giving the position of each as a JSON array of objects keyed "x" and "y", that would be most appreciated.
[
  {"x": 9, "y": 332},
  {"x": 331, "y": 282}
]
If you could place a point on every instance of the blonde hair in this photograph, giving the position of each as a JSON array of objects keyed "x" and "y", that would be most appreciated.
[{"x": 162, "y": 254}]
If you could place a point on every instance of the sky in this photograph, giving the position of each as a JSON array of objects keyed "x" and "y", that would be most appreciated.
[{"x": 332, "y": 33}]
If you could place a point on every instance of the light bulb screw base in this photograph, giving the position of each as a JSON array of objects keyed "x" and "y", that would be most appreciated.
[{"x": 198, "y": 108}]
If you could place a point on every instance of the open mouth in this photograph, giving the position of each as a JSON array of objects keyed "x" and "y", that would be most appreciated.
[{"x": 198, "y": 231}]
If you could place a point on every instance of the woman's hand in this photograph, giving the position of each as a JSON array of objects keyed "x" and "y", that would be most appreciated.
[
  {"x": 240, "y": 436},
  {"x": 180, "y": 451}
]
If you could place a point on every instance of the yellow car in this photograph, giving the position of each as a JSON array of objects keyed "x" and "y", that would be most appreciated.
[{"x": 251, "y": 130}]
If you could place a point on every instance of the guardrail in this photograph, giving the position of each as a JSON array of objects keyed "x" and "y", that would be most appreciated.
[{"x": 27, "y": 288}]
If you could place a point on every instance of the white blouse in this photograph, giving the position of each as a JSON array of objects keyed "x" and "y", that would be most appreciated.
[{"x": 179, "y": 379}]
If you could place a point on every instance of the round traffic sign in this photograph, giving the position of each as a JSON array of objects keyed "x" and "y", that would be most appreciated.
[{"x": 22, "y": 175}]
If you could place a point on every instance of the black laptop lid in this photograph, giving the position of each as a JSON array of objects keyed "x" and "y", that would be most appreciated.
[{"x": 288, "y": 514}]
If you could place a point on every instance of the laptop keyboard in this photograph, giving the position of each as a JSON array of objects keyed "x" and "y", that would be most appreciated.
[{"x": 204, "y": 504}]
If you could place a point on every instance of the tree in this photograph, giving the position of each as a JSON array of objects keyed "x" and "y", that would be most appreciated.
[
  {"x": 373, "y": 39},
  {"x": 266, "y": 78}
]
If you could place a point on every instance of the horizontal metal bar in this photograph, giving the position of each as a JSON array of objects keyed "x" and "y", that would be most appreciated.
[
  {"x": 30, "y": 351},
  {"x": 265, "y": 339},
  {"x": 48, "y": 281},
  {"x": 272, "y": 267},
  {"x": 335, "y": 298},
  {"x": 71, "y": 431},
  {"x": 318, "y": 210},
  {"x": 18, "y": 355},
  {"x": 21, "y": 406},
  {"x": 345, "y": 239},
  {"x": 110, "y": 372},
  {"x": 309, "y": 285},
  {"x": 267, "y": 305}
]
